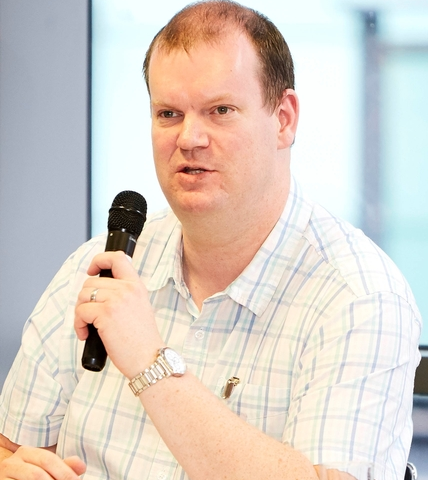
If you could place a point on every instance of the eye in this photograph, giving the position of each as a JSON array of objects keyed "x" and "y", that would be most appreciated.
[
  {"x": 222, "y": 110},
  {"x": 167, "y": 114}
]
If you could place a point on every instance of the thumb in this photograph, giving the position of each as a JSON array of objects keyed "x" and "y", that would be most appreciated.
[{"x": 75, "y": 464}]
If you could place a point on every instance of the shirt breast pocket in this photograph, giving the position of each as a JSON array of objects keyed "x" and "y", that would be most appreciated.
[{"x": 264, "y": 407}]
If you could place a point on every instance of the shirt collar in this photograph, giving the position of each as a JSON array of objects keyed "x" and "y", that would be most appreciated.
[
  {"x": 256, "y": 285},
  {"x": 169, "y": 266}
]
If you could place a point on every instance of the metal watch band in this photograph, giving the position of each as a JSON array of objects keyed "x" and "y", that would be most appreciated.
[{"x": 160, "y": 369}]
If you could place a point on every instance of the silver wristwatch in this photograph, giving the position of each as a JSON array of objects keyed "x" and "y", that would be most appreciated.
[{"x": 168, "y": 363}]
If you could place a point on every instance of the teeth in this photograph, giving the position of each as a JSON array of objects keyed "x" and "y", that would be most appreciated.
[{"x": 193, "y": 171}]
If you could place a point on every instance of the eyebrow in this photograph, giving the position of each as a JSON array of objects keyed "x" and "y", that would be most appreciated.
[{"x": 218, "y": 99}]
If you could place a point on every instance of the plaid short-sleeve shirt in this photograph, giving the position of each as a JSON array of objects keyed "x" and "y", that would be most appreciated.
[{"x": 321, "y": 329}]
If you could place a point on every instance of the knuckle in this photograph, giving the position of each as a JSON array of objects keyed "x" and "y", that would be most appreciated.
[
  {"x": 45, "y": 461},
  {"x": 36, "y": 474}
]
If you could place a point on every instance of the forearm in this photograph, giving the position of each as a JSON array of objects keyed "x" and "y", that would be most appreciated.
[{"x": 210, "y": 441}]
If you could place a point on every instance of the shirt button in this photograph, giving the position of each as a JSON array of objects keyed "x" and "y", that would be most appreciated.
[
  {"x": 200, "y": 334},
  {"x": 161, "y": 476}
]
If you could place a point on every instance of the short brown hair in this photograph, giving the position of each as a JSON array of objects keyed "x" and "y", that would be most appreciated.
[{"x": 208, "y": 21}]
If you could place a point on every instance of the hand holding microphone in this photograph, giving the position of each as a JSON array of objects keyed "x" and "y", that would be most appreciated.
[{"x": 127, "y": 216}]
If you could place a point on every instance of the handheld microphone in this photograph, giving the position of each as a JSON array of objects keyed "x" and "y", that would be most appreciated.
[{"x": 127, "y": 216}]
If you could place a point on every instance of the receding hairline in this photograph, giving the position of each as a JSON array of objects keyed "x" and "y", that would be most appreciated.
[
  {"x": 206, "y": 21},
  {"x": 210, "y": 21},
  {"x": 164, "y": 46},
  {"x": 166, "y": 49}
]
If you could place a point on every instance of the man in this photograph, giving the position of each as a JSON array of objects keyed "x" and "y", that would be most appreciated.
[{"x": 299, "y": 335}]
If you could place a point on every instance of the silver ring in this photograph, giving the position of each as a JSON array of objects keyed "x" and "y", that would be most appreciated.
[{"x": 94, "y": 295}]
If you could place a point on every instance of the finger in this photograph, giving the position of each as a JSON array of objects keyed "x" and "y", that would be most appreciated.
[
  {"x": 119, "y": 264},
  {"x": 22, "y": 471},
  {"x": 30, "y": 462},
  {"x": 99, "y": 292},
  {"x": 85, "y": 314},
  {"x": 94, "y": 303},
  {"x": 77, "y": 465},
  {"x": 86, "y": 310},
  {"x": 89, "y": 305},
  {"x": 102, "y": 285},
  {"x": 94, "y": 294}
]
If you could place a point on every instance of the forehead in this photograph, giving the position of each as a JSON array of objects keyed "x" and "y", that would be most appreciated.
[{"x": 231, "y": 56}]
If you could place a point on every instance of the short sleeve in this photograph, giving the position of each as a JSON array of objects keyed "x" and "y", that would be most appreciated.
[
  {"x": 353, "y": 398},
  {"x": 46, "y": 369}
]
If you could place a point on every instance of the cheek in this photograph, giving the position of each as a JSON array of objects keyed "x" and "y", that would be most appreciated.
[
  {"x": 163, "y": 146},
  {"x": 158, "y": 143}
]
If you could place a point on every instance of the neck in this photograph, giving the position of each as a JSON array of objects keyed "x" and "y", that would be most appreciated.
[{"x": 216, "y": 250}]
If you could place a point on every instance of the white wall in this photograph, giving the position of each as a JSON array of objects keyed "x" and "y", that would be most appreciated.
[{"x": 43, "y": 152}]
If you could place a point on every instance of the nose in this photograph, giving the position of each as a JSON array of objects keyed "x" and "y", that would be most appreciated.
[{"x": 193, "y": 133}]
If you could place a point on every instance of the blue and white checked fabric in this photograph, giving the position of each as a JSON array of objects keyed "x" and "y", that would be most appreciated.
[{"x": 321, "y": 329}]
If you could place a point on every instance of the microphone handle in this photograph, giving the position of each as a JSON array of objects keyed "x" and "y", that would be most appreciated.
[{"x": 94, "y": 354}]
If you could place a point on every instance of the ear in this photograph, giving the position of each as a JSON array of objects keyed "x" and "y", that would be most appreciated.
[{"x": 287, "y": 113}]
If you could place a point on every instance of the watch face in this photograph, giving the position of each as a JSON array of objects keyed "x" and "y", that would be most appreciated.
[{"x": 175, "y": 360}]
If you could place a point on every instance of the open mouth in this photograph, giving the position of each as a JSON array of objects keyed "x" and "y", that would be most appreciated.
[{"x": 193, "y": 171}]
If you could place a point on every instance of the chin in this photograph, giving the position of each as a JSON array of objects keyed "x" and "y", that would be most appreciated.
[{"x": 197, "y": 203}]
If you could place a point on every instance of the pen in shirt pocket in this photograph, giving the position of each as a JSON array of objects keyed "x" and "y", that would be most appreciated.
[{"x": 229, "y": 387}]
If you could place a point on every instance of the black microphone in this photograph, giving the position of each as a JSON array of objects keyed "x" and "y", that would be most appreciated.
[{"x": 127, "y": 216}]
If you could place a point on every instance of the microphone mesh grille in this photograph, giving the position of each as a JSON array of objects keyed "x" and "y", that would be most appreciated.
[{"x": 128, "y": 212}]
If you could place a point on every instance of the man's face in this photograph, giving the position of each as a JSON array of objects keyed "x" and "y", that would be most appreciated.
[{"x": 215, "y": 144}]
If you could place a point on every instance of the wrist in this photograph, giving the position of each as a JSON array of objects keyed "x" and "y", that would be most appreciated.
[{"x": 167, "y": 363}]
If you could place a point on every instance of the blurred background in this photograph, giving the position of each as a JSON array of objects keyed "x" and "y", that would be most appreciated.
[{"x": 75, "y": 130}]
